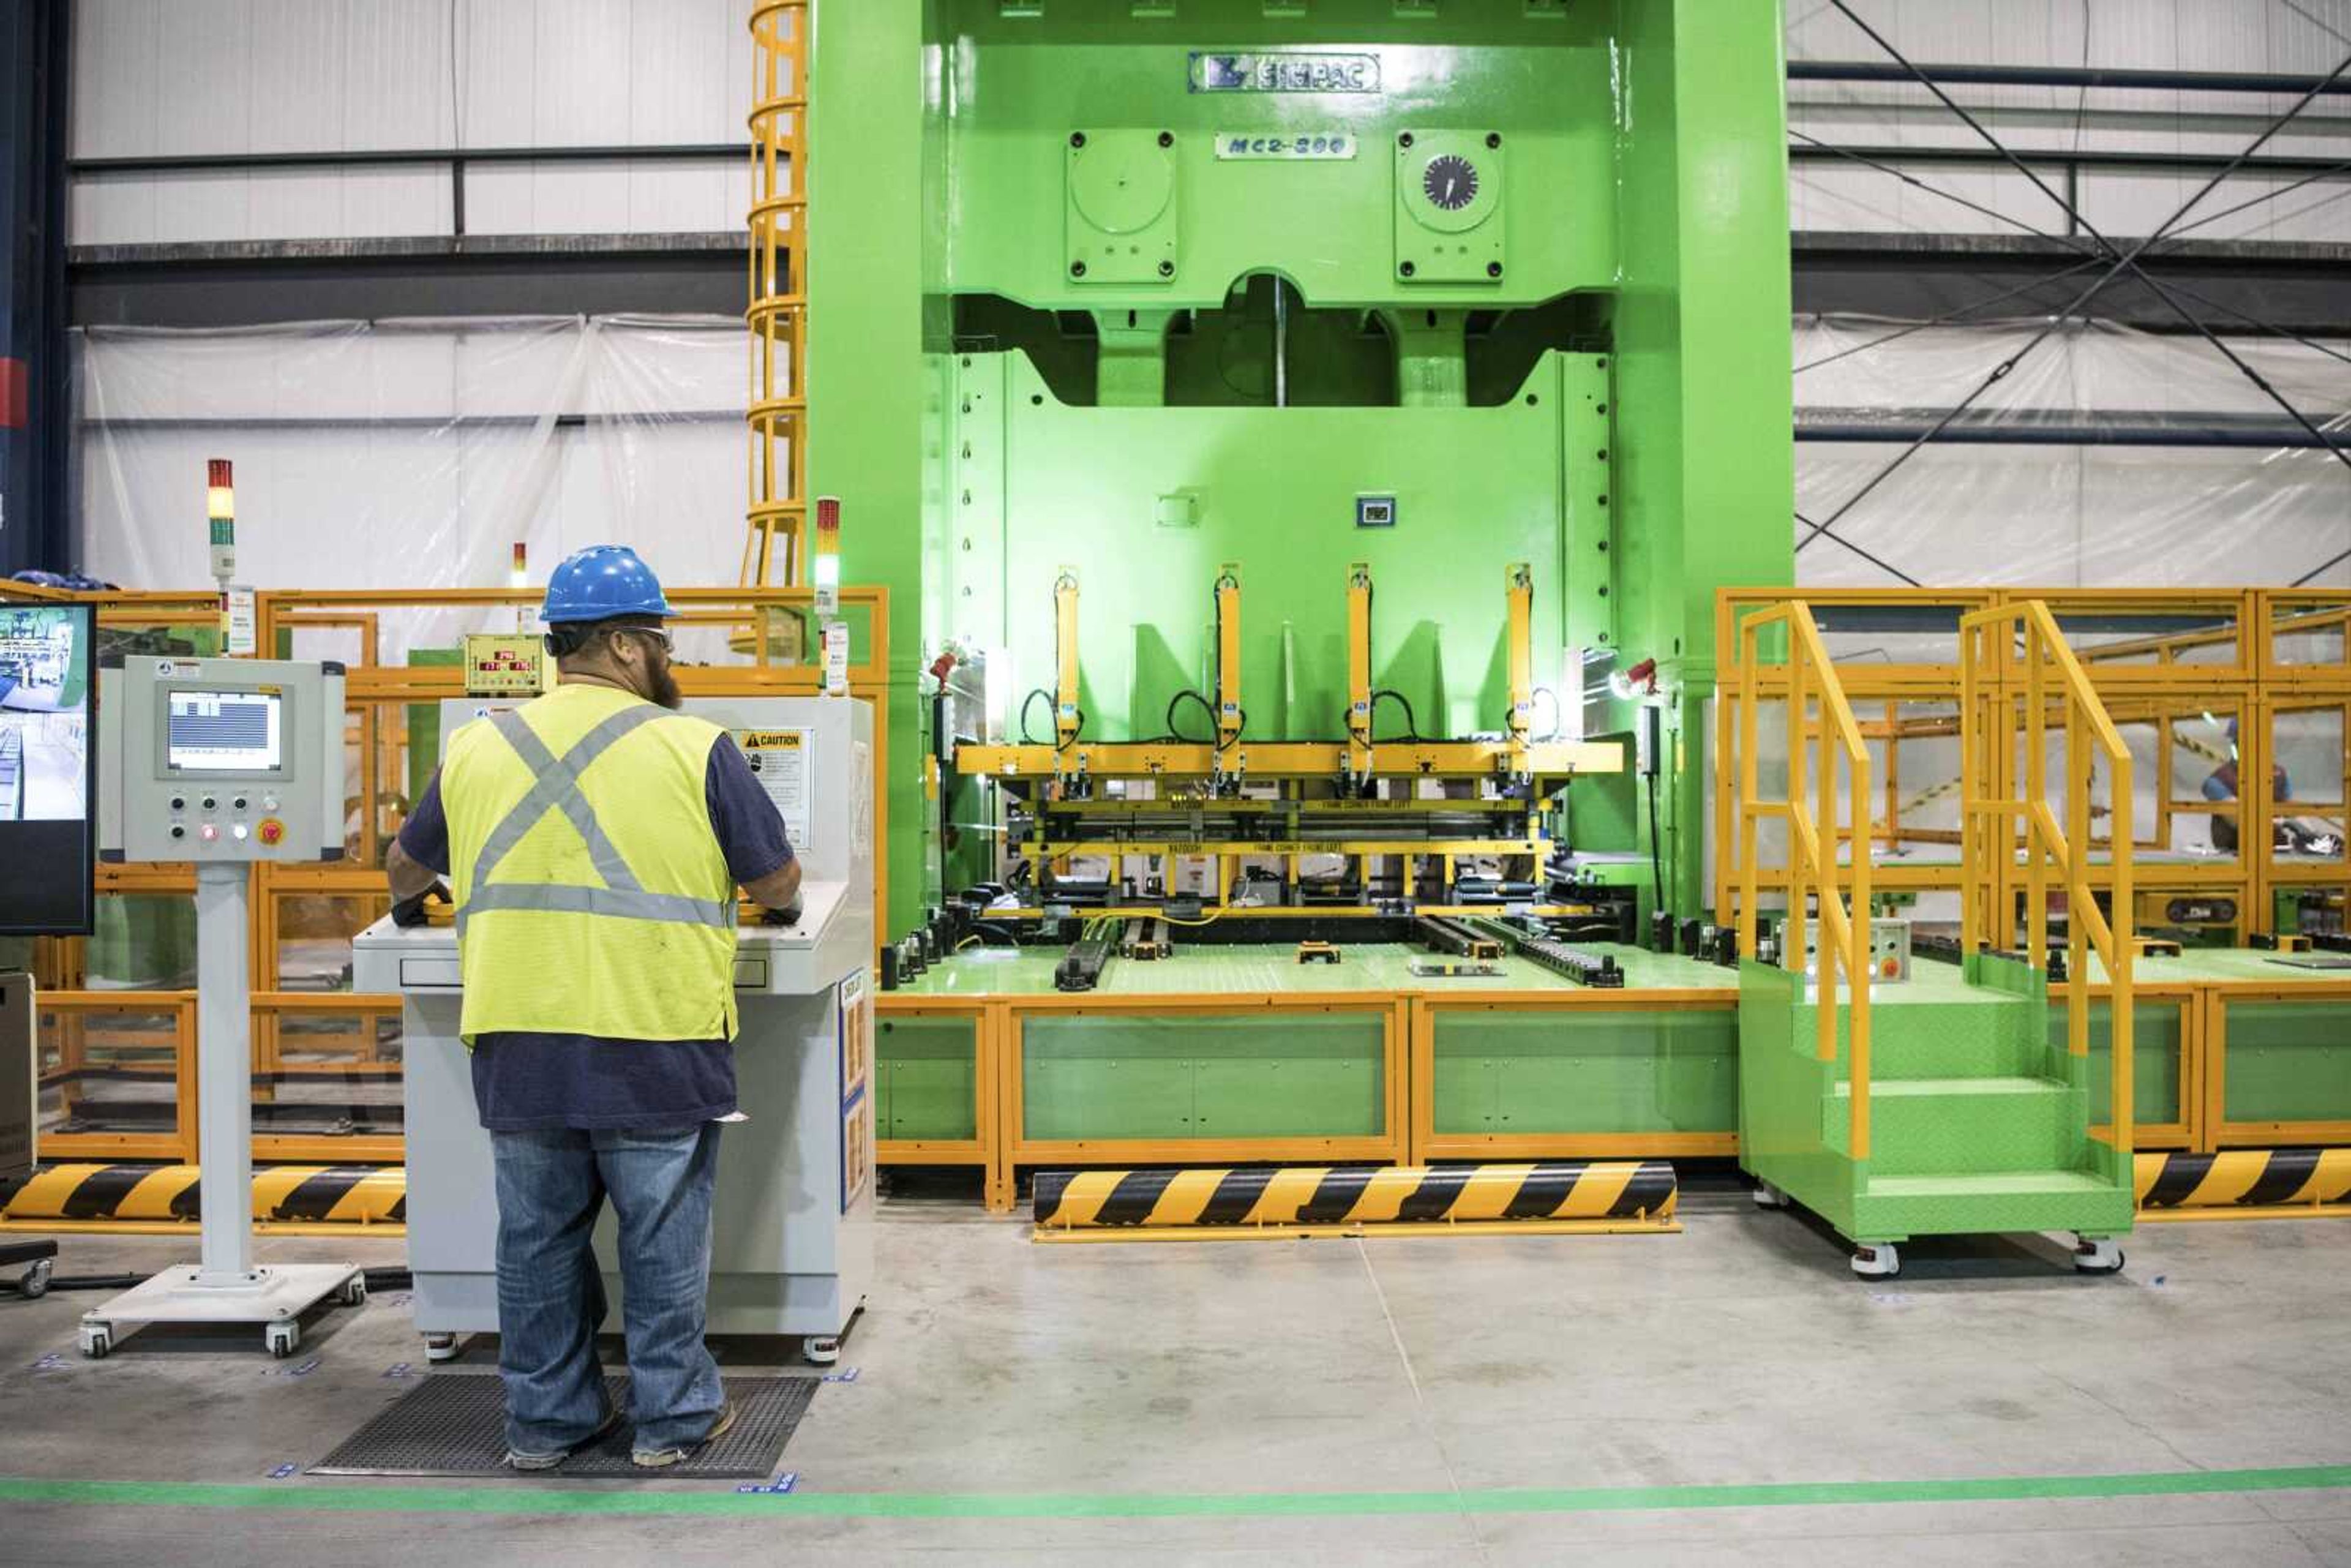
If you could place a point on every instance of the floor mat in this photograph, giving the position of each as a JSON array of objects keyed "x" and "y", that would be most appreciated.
[{"x": 454, "y": 1424}]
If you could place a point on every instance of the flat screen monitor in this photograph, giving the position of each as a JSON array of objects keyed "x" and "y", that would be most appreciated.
[
  {"x": 48, "y": 829},
  {"x": 223, "y": 732}
]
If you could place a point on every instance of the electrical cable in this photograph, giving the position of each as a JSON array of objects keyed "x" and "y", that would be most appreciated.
[
  {"x": 378, "y": 1279},
  {"x": 1027, "y": 738},
  {"x": 1175, "y": 735},
  {"x": 95, "y": 1282},
  {"x": 1558, "y": 713},
  {"x": 1411, "y": 723},
  {"x": 1656, "y": 853}
]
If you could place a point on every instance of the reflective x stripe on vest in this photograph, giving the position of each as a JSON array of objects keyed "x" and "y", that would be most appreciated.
[{"x": 556, "y": 787}]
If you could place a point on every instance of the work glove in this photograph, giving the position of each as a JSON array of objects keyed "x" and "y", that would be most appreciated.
[
  {"x": 409, "y": 912},
  {"x": 790, "y": 914}
]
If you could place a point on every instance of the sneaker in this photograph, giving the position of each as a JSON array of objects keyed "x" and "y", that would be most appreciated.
[
  {"x": 522, "y": 1459},
  {"x": 661, "y": 1458}
]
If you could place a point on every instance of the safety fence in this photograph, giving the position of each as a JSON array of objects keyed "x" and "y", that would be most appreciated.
[{"x": 2233, "y": 703}]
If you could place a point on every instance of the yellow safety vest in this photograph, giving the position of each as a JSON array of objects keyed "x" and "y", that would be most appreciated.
[{"x": 592, "y": 895}]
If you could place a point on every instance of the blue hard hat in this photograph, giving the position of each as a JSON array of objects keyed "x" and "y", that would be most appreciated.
[{"x": 601, "y": 582}]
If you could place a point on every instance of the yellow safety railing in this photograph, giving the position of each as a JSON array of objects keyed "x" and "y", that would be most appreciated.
[
  {"x": 2005, "y": 720},
  {"x": 1837, "y": 884}
]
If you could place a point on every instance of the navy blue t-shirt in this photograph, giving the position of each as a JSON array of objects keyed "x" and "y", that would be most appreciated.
[{"x": 530, "y": 1082}]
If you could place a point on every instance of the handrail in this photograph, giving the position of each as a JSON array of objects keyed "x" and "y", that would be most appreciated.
[
  {"x": 1994, "y": 716},
  {"x": 1839, "y": 887}
]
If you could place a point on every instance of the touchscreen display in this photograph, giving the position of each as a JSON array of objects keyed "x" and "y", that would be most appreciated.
[
  {"x": 48, "y": 837},
  {"x": 224, "y": 732}
]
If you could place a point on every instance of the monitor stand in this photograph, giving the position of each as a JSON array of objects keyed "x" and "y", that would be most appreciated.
[{"x": 226, "y": 1286}]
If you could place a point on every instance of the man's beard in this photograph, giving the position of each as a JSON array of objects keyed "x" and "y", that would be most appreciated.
[{"x": 664, "y": 685}]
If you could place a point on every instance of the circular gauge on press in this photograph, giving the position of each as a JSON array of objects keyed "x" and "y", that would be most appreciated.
[{"x": 1449, "y": 182}]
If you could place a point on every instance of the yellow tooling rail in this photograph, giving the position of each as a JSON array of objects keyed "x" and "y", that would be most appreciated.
[
  {"x": 778, "y": 312},
  {"x": 1817, "y": 874},
  {"x": 1066, "y": 715},
  {"x": 1566, "y": 1195},
  {"x": 2001, "y": 720},
  {"x": 1519, "y": 584},
  {"x": 1231, "y": 716},
  {"x": 1359, "y": 669},
  {"x": 1193, "y": 803},
  {"x": 1230, "y": 754},
  {"x": 164, "y": 1198},
  {"x": 1557, "y": 759},
  {"x": 2245, "y": 1184}
]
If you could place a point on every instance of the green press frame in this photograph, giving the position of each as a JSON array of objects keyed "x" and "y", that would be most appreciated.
[{"x": 1681, "y": 485}]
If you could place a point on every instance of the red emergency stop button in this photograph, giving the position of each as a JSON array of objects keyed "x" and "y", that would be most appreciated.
[{"x": 272, "y": 831}]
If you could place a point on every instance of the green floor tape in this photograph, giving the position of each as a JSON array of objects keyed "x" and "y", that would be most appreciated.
[{"x": 522, "y": 1497}]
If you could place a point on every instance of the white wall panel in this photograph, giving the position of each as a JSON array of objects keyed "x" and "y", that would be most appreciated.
[
  {"x": 297, "y": 74},
  {"x": 231, "y": 77},
  {"x": 203, "y": 89},
  {"x": 579, "y": 198},
  {"x": 112, "y": 209},
  {"x": 498, "y": 82},
  {"x": 395, "y": 77},
  {"x": 580, "y": 70},
  {"x": 115, "y": 65},
  {"x": 204, "y": 207}
]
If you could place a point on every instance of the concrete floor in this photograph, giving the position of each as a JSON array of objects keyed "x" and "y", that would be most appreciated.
[{"x": 1221, "y": 1384}]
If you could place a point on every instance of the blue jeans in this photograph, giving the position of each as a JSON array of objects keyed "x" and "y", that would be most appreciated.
[{"x": 551, "y": 1187}]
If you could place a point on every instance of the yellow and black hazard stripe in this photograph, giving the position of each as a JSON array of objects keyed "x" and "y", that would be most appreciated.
[
  {"x": 130, "y": 1196},
  {"x": 2238, "y": 1182},
  {"x": 1561, "y": 1195}
]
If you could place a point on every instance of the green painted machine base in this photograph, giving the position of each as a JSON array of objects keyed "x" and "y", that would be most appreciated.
[{"x": 1979, "y": 1122}]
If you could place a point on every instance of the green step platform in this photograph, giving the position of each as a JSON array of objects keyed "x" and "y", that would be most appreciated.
[{"x": 1979, "y": 1122}]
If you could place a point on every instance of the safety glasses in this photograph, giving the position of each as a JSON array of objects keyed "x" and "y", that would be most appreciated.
[{"x": 655, "y": 632}]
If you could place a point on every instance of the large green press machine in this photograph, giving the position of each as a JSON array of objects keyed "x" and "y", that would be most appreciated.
[
  {"x": 1336, "y": 419},
  {"x": 1443, "y": 291}
]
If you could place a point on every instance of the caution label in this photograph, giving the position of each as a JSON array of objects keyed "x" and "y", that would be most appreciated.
[{"x": 783, "y": 759}]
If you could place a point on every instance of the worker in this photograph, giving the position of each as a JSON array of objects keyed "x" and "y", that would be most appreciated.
[
  {"x": 2221, "y": 784},
  {"x": 595, "y": 838}
]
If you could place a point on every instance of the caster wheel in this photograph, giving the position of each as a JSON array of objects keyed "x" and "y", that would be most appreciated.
[
  {"x": 1882, "y": 1261},
  {"x": 35, "y": 1283},
  {"x": 441, "y": 1347},
  {"x": 1770, "y": 1197},
  {"x": 822, "y": 1350},
  {"x": 354, "y": 1292},
  {"x": 2101, "y": 1256},
  {"x": 96, "y": 1341},
  {"x": 283, "y": 1339}
]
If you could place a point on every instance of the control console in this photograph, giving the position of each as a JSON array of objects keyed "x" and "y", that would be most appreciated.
[{"x": 221, "y": 760}]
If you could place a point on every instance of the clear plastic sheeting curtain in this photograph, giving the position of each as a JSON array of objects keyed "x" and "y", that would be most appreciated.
[
  {"x": 414, "y": 453},
  {"x": 2083, "y": 515}
]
